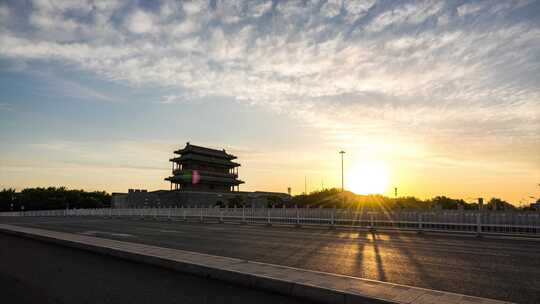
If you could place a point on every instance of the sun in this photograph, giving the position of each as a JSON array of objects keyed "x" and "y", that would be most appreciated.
[{"x": 370, "y": 177}]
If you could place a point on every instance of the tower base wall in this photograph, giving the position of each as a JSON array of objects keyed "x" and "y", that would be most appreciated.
[{"x": 183, "y": 198}]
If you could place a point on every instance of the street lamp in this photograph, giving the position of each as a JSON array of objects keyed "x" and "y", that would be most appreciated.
[
  {"x": 342, "y": 152},
  {"x": 342, "y": 184}
]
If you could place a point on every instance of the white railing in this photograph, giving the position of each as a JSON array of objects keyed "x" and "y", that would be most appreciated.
[{"x": 512, "y": 222}]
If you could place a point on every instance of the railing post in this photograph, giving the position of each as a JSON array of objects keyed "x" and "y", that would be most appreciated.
[
  {"x": 243, "y": 215},
  {"x": 268, "y": 217},
  {"x": 201, "y": 214},
  {"x": 333, "y": 217},
  {"x": 420, "y": 221},
  {"x": 220, "y": 215},
  {"x": 170, "y": 213},
  {"x": 479, "y": 223},
  {"x": 297, "y": 216},
  {"x": 282, "y": 214}
]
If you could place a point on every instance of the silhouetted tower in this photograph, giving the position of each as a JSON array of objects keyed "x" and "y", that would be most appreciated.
[{"x": 204, "y": 169}]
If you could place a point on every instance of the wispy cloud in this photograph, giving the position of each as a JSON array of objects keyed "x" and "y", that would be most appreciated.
[
  {"x": 351, "y": 69},
  {"x": 132, "y": 155}
]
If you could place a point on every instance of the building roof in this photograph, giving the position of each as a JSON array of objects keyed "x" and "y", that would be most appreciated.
[
  {"x": 204, "y": 172},
  {"x": 205, "y": 159},
  {"x": 205, "y": 179},
  {"x": 189, "y": 148}
]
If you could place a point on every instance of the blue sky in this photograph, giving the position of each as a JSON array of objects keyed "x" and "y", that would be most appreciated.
[{"x": 96, "y": 94}]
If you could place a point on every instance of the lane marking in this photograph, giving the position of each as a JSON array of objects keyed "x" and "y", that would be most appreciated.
[
  {"x": 172, "y": 231},
  {"x": 95, "y": 232}
]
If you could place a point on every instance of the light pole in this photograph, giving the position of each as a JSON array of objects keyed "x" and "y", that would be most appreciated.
[{"x": 342, "y": 152}]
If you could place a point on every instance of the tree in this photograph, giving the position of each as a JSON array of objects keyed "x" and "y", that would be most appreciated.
[
  {"x": 7, "y": 197},
  {"x": 52, "y": 198},
  {"x": 447, "y": 203},
  {"x": 498, "y": 204}
]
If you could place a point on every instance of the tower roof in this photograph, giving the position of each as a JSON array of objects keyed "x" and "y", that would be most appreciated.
[
  {"x": 189, "y": 148},
  {"x": 219, "y": 161}
]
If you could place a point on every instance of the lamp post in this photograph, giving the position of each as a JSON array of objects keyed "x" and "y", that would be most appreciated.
[{"x": 342, "y": 185}]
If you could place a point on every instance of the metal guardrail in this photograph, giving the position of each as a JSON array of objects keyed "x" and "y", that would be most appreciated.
[{"x": 483, "y": 222}]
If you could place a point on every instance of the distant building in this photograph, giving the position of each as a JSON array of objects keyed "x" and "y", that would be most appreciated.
[
  {"x": 204, "y": 169},
  {"x": 200, "y": 177}
]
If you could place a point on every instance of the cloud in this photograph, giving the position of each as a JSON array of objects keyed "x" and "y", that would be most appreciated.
[
  {"x": 64, "y": 86},
  {"x": 487, "y": 8},
  {"x": 76, "y": 90},
  {"x": 470, "y": 8},
  {"x": 140, "y": 22},
  {"x": 347, "y": 68},
  {"x": 408, "y": 14},
  {"x": 194, "y": 7},
  {"x": 331, "y": 8},
  {"x": 185, "y": 97},
  {"x": 256, "y": 10},
  {"x": 96, "y": 154}
]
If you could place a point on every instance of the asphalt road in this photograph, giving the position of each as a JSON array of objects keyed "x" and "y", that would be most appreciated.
[
  {"x": 37, "y": 272},
  {"x": 504, "y": 269}
]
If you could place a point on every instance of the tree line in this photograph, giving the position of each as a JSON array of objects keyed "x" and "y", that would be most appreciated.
[
  {"x": 330, "y": 198},
  {"x": 52, "y": 198}
]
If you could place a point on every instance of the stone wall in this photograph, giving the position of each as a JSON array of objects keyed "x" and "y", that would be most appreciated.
[{"x": 177, "y": 198}]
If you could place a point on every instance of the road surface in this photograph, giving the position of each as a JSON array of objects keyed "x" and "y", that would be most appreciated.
[
  {"x": 37, "y": 272},
  {"x": 504, "y": 269}
]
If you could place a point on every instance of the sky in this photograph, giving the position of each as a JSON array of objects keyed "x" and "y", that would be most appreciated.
[{"x": 440, "y": 97}]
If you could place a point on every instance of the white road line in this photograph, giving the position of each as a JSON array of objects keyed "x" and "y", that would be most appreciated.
[{"x": 95, "y": 232}]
